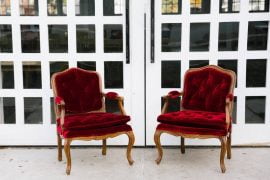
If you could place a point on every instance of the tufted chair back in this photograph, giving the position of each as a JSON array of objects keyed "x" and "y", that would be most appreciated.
[
  {"x": 206, "y": 88},
  {"x": 80, "y": 89}
]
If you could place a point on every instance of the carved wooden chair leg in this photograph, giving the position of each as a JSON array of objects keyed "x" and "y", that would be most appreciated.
[
  {"x": 59, "y": 147},
  {"x": 158, "y": 145},
  {"x": 104, "y": 147},
  {"x": 222, "y": 153},
  {"x": 229, "y": 141},
  {"x": 67, "y": 152},
  {"x": 131, "y": 140},
  {"x": 183, "y": 145}
]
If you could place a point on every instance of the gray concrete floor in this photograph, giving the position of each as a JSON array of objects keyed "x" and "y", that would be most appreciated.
[{"x": 88, "y": 163}]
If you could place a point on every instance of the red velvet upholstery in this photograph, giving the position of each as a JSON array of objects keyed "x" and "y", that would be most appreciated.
[
  {"x": 174, "y": 94},
  {"x": 93, "y": 132},
  {"x": 206, "y": 90},
  {"x": 111, "y": 95},
  {"x": 79, "y": 89},
  {"x": 93, "y": 120},
  {"x": 195, "y": 119}
]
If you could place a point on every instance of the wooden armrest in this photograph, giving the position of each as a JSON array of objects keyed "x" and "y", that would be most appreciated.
[
  {"x": 228, "y": 108},
  {"x": 60, "y": 109},
  {"x": 170, "y": 95},
  {"x": 115, "y": 96}
]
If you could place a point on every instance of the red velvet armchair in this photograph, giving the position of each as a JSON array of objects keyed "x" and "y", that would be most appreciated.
[
  {"x": 206, "y": 108},
  {"x": 80, "y": 112}
]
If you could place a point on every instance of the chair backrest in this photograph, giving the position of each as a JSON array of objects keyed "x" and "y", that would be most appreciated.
[
  {"x": 206, "y": 88},
  {"x": 80, "y": 89}
]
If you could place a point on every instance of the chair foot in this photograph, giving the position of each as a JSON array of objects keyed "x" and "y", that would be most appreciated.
[
  {"x": 131, "y": 140},
  {"x": 183, "y": 145},
  {"x": 229, "y": 151},
  {"x": 158, "y": 145},
  {"x": 222, "y": 153},
  {"x": 104, "y": 148},
  {"x": 59, "y": 147},
  {"x": 67, "y": 152}
]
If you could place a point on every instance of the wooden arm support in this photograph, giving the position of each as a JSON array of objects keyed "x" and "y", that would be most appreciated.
[
  {"x": 120, "y": 100},
  {"x": 60, "y": 109},
  {"x": 170, "y": 95},
  {"x": 229, "y": 108}
]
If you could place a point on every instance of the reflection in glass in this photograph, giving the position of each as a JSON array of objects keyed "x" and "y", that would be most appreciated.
[
  {"x": 57, "y": 7},
  {"x": 112, "y": 106},
  {"x": 199, "y": 36},
  {"x": 113, "y": 38},
  {"x": 174, "y": 104},
  {"x": 7, "y": 75},
  {"x": 113, "y": 7},
  {"x": 200, "y": 6},
  {"x": 87, "y": 65},
  {"x": 258, "y": 5},
  {"x": 53, "y": 118},
  {"x": 171, "y": 6},
  {"x": 229, "y": 6},
  {"x": 58, "y": 39},
  {"x": 5, "y": 8},
  {"x": 170, "y": 74},
  {"x": 229, "y": 64},
  {"x": 32, "y": 75},
  {"x": 257, "y": 35},
  {"x": 29, "y": 7},
  {"x": 7, "y": 110},
  {"x": 228, "y": 36},
  {"x": 234, "y": 112},
  {"x": 33, "y": 110},
  {"x": 5, "y": 38},
  {"x": 57, "y": 67},
  {"x": 85, "y": 7},
  {"x": 86, "y": 38},
  {"x": 113, "y": 74},
  {"x": 255, "y": 109},
  {"x": 256, "y": 73},
  {"x": 198, "y": 63},
  {"x": 30, "y": 38},
  {"x": 171, "y": 37}
]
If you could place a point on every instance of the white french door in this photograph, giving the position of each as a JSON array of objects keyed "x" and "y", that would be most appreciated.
[{"x": 232, "y": 34}]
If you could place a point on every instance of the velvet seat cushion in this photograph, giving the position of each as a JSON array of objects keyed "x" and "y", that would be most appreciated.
[
  {"x": 93, "y": 132},
  {"x": 97, "y": 120},
  {"x": 195, "y": 119}
]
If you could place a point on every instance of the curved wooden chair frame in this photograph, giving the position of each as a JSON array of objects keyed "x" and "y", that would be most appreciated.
[
  {"x": 224, "y": 140},
  {"x": 60, "y": 113}
]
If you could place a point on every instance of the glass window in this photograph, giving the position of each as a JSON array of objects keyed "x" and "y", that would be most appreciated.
[
  {"x": 32, "y": 75},
  {"x": 228, "y": 36},
  {"x": 29, "y": 7},
  {"x": 113, "y": 7},
  {"x": 53, "y": 117},
  {"x": 229, "y": 6},
  {"x": 199, "y": 36},
  {"x": 113, "y": 74},
  {"x": 85, "y": 7},
  {"x": 5, "y": 38},
  {"x": 58, "y": 39},
  {"x": 229, "y": 64},
  {"x": 257, "y": 35},
  {"x": 256, "y": 73},
  {"x": 86, "y": 39},
  {"x": 198, "y": 63},
  {"x": 5, "y": 8},
  {"x": 57, "y": 67},
  {"x": 170, "y": 74},
  {"x": 33, "y": 110},
  {"x": 174, "y": 104},
  {"x": 113, "y": 38},
  {"x": 171, "y": 6},
  {"x": 7, "y": 75},
  {"x": 87, "y": 65},
  {"x": 199, "y": 6},
  {"x": 255, "y": 109},
  {"x": 258, "y": 5},
  {"x": 30, "y": 38},
  {"x": 57, "y": 7},
  {"x": 7, "y": 110},
  {"x": 234, "y": 112},
  {"x": 171, "y": 37}
]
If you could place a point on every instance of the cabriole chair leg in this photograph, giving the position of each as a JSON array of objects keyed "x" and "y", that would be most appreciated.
[
  {"x": 131, "y": 140},
  {"x": 183, "y": 145},
  {"x": 158, "y": 145},
  {"x": 67, "y": 152},
  {"x": 222, "y": 153},
  {"x": 104, "y": 147}
]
